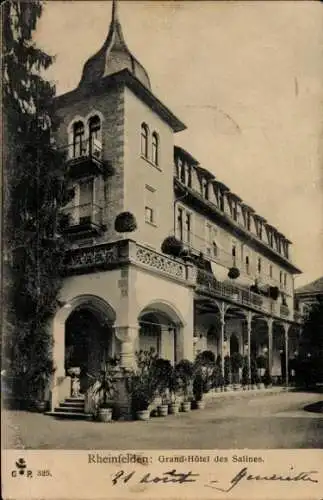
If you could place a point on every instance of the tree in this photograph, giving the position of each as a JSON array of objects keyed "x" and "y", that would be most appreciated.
[
  {"x": 35, "y": 191},
  {"x": 309, "y": 364}
]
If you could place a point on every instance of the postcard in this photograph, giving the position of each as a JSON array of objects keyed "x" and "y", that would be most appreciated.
[{"x": 162, "y": 270}]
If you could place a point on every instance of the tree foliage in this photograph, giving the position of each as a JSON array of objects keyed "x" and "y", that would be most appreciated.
[
  {"x": 312, "y": 332},
  {"x": 35, "y": 190}
]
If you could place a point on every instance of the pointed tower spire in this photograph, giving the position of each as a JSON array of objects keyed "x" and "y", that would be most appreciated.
[{"x": 114, "y": 56}]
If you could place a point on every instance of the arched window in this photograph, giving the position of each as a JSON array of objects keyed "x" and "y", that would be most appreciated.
[
  {"x": 144, "y": 139},
  {"x": 155, "y": 148},
  {"x": 78, "y": 139},
  {"x": 215, "y": 249},
  {"x": 95, "y": 146}
]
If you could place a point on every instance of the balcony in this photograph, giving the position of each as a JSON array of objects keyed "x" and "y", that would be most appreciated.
[
  {"x": 113, "y": 255},
  {"x": 206, "y": 283},
  {"x": 83, "y": 220},
  {"x": 86, "y": 158}
]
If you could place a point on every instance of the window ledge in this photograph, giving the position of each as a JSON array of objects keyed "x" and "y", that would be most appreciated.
[
  {"x": 157, "y": 167},
  {"x": 151, "y": 223}
]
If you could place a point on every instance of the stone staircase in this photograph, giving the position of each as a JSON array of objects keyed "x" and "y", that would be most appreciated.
[{"x": 71, "y": 408}]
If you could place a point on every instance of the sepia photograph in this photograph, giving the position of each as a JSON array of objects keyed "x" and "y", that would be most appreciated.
[{"x": 162, "y": 233}]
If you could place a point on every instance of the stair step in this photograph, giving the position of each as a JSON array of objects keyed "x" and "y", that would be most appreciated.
[
  {"x": 79, "y": 404},
  {"x": 79, "y": 399},
  {"x": 64, "y": 414},
  {"x": 67, "y": 409}
]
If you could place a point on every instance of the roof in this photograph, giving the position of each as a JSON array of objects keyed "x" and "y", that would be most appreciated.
[
  {"x": 113, "y": 56},
  {"x": 313, "y": 288}
]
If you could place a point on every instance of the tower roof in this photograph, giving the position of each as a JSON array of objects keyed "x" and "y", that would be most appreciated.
[{"x": 113, "y": 56}]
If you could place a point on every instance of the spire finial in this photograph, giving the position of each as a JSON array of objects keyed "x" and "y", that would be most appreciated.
[{"x": 114, "y": 11}]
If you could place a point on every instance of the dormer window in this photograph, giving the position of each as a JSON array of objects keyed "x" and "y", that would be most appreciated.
[
  {"x": 155, "y": 148},
  {"x": 144, "y": 139},
  {"x": 205, "y": 189},
  {"x": 221, "y": 200},
  {"x": 78, "y": 139}
]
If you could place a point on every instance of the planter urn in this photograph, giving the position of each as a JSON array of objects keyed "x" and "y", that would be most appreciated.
[
  {"x": 162, "y": 410},
  {"x": 173, "y": 408},
  {"x": 200, "y": 405},
  {"x": 143, "y": 415},
  {"x": 186, "y": 406},
  {"x": 105, "y": 414}
]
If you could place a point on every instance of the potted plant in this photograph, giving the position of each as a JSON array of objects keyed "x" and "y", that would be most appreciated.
[
  {"x": 198, "y": 386},
  {"x": 261, "y": 364},
  {"x": 254, "y": 373},
  {"x": 267, "y": 380},
  {"x": 162, "y": 373},
  {"x": 274, "y": 292},
  {"x": 106, "y": 392},
  {"x": 236, "y": 365},
  {"x": 185, "y": 370},
  {"x": 227, "y": 373},
  {"x": 172, "y": 246},
  {"x": 125, "y": 222},
  {"x": 142, "y": 385},
  {"x": 174, "y": 386},
  {"x": 233, "y": 273}
]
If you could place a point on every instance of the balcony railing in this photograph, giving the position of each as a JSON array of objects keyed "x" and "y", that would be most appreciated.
[
  {"x": 284, "y": 311},
  {"x": 85, "y": 157},
  {"x": 111, "y": 255},
  {"x": 206, "y": 282},
  {"x": 86, "y": 217}
]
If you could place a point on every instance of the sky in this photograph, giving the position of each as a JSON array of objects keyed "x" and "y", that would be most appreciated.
[{"x": 247, "y": 80}]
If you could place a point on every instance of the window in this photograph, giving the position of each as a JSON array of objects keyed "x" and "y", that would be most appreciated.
[
  {"x": 150, "y": 204},
  {"x": 247, "y": 264},
  {"x": 215, "y": 249},
  {"x": 182, "y": 171},
  {"x": 155, "y": 148},
  {"x": 205, "y": 189},
  {"x": 259, "y": 265},
  {"x": 270, "y": 271},
  {"x": 285, "y": 280},
  {"x": 78, "y": 139},
  {"x": 180, "y": 223},
  {"x": 248, "y": 220},
  {"x": 95, "y": 136},
  {"x": 234, "y": 210},
  {"x": 144, "y": 140},
  {"x": 184, "y": 223},
  {"x": 280, "y": 277},
  {"x": 188, "y": 227}
]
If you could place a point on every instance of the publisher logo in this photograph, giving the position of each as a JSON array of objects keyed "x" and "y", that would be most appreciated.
[{"x": 21, "y": 469}]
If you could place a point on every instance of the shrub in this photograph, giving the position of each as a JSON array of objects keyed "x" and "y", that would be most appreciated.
[
  {"x": 172, "y": 246},
  {"x": 233, "y": 273},
  {"x": 125, "y": 222}
]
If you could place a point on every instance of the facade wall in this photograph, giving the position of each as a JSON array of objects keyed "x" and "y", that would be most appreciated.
[
  {"x": 109, "y": 191},
  {"x": 141, "y": 172},
  {"x": 271, "y": 273}
]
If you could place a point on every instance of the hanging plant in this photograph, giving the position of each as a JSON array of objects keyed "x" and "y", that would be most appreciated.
[
  {"x": 172, "y": 246},
  {"x": 274, "y": 292},
  {"x": 125, "y": 222},
  {"x": 233, "y": 273}
]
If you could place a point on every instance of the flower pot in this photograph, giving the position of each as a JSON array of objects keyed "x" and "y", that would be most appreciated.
[
  {"x": 40, "y": 406},
  {"x": 142, "y": 414},
  {"x": 173, "y": 408},
  {"x": 105, "y": 414},
  {"x": 200, "y": 405},
  {"x": 162, "y": 410},
  {"x": 186, "y": 406}
]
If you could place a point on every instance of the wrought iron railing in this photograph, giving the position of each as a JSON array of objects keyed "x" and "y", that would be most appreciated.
[
  {"x": 88, "y": 213},
  {"x": 84, "y": 148}
]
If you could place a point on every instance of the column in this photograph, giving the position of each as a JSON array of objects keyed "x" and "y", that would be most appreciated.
[
  {"x": 270, "y": 322},
  {"x": 127, "y": 336},
  {"x": 249, "y": 326},
  {"x": 286, "y": 329},
  {"x": 222, "y": 321}
]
